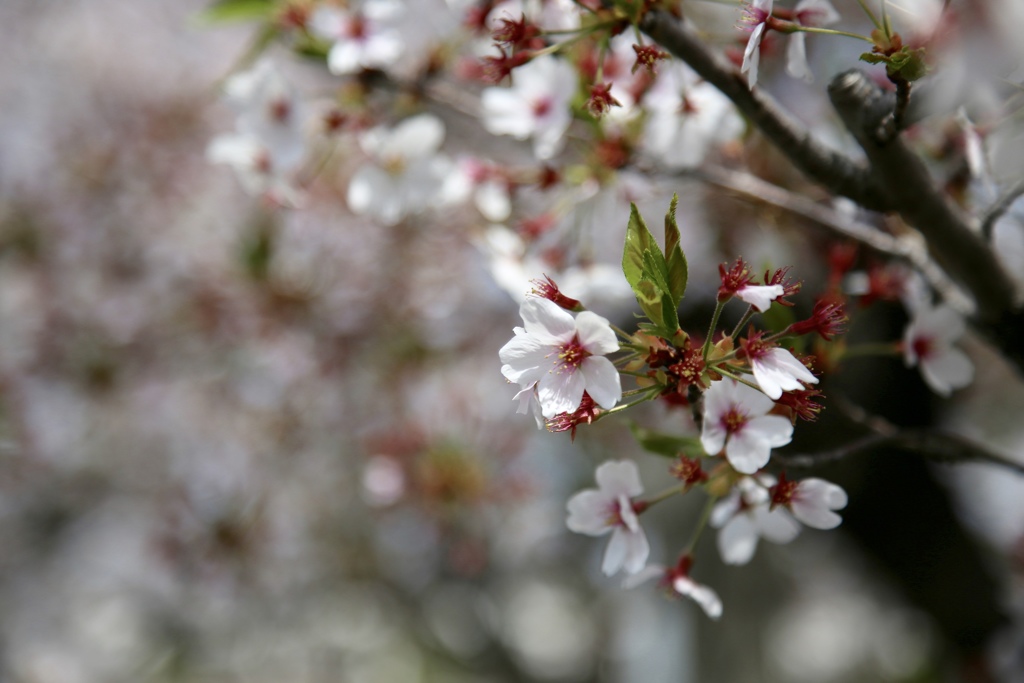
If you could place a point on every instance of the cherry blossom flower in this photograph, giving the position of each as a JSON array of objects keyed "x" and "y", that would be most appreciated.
[
  {"x": 405, "y": 173},
  {"x": 564, "y": 356},
  {"x": 362, "y": 40},
  {"x": 755, "y": 16},
  {"x": 812, "y": 501},
  {"x": 736, "y": 418},
  {"x": 928, "y": 343},
  {"x": 678, "y": 579},
  {"x": 270, "y": 142},
  {"x": 745, "y": 516},
  {"x": 776, "y": 370},
  {"x": 687, "y": 118},
  {"x": 609, "y": 508},
  {"x": 537, "y": 105},
  {"x": 816, "y": 13}
]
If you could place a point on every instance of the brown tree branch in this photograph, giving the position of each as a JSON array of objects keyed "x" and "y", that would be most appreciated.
[
  {"x": 820, "y": 164},
  {"x": 906, "y": 249}
]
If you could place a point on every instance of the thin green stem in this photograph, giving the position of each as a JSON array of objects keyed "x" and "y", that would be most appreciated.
[
  {"x": 665, "y": 495},
  {"x": 871, "y": 15},
  {"x": 625, "y": 406},
  {"x": 830, "y": 32},
  {"x": 702, "y": 523},
  {"x": 719, "y": 305},
  {"x": 743, "y": 321}
]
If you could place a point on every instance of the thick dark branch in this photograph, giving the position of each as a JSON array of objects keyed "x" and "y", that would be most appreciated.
[
  {"x": 821, "y": 165},
  {"x": 961, "y": 251}
]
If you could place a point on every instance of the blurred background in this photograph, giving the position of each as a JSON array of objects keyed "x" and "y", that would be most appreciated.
[{"x": 240, "y": 443}]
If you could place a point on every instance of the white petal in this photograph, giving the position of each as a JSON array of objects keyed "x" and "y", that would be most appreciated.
[
  {"x": 775, "y": 430},
  {"x": 796, "y": 57},
  {"x": 525, "y": 360},
  {"x": 504, "y": 112},
  {"x": 493, "y": 201},
  {"x": 602, "y": 381},
  {"x": 737, "y": 540},
  {"x": 547, "y": 320},
  {"x": 814, "y": 500},
  {"x": 760, "y": 296},
  {"x": 712, "y": 436},
  {"x": 778, "y": 370},
  {"x": 747, "y": 451},
  {"x": 616, "y": 552},
  {"x": 777, "y": 525},
  {"x": 705, "y": 596},
  {"x": 589, "y": 512},
  {"x": 344, "y": 57},
  {"x": 619, "y": 478},
  {"x": 637, "y": 550},
  {"x": 947, "y": 369},
  {"x": 369, "y": 190},
  {"x": 596, "y": 334},
  {"x": 560, "y": 390},
  {"x": 725, "y": 509},
  {"x": 418, "y": 136}
]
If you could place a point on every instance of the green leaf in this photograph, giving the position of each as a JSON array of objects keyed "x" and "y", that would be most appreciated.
[
  {"x": 638, "y": 240},
  {"x": 649, "y": 296},
  {"x": 667, "y": 445},
  {"x": 237, "y": 10},
  {"x": 678, "y": 271},
  {"x": 873, "y": 58}
]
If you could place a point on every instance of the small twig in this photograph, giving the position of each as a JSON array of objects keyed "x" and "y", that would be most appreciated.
[
  {"x": 935, "y": 445},
  {"x": 997, "y": 210},
  {"x": 905, "y": 249}
]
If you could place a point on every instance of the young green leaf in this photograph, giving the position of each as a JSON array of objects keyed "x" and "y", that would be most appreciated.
[
  {"x": 667, "y": 445},
  {"x": 678, "y": 271}
]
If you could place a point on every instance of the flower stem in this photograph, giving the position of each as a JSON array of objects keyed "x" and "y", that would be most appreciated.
[
  {"x": 871, "y": 15},
  {"x": 701, "y": 524},
  {"x": 719, "y": 305},
  {"x": 743, "y": 321},
  {"x": 830, "y": 32},
  {"x": 664, "y": 495},
  {"x": 738, "y": 378}
]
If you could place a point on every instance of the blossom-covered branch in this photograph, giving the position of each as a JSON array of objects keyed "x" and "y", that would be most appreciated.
[{"x": 822, "y": 165}]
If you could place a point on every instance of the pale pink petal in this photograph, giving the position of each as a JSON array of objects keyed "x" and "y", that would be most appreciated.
[
  {"x": 637, "y": 550},
  {"x": 418, "y": 136},
  {"x": 725, "y": 509},
  {"x": 525, "y": 360},
  {"x": 344, "y": 58}
]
